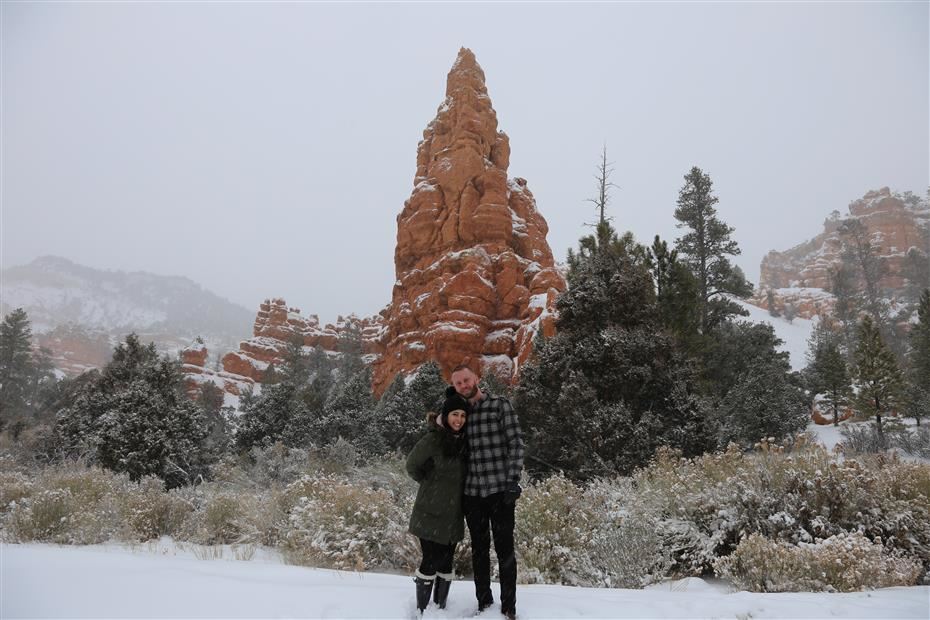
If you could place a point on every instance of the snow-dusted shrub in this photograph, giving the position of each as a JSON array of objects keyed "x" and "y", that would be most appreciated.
[
  {"x": 841, "y": 563},
  {"x": 342, "y": 524},
  {"x": 711, "y": 503},
  {"x": 151, "y": 512},
  {"x": 588, "y": 536},
  {"x": 628, "y": 546},
  {"x": 554, "y": 533},
  {"x": 71, "y": 505}
]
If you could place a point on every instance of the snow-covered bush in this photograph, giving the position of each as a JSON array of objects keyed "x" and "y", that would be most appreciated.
[
  {"x": 841, "y": 563},
  {"x": 591, "y": 535},
  {"x": 555, "y": 534},
  {"x": 151, "y": 512},
  {"x": 338, "y": 523},
  {"x": 71, "y": 506},
  {"x": 711, "y": 503}
]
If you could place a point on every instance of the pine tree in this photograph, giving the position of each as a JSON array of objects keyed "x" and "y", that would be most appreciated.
[
  {"x": 846, "y": 308},
  {"x": 135, "y": 417},
  {"x": 877, "y": 373},
  {"x": 918, "y": 389},
  {"x": 764, "y": 403},
  {"x": 16, "y": 366},
  {"x": 827, "y": 369},
  {"x": 770, "y": 302},
  {"x": 401, "y": 412},
  {"x": 706, "y": 247},
  {"x": 676, "y": 293},
  {"x": 610, "y": 386}
]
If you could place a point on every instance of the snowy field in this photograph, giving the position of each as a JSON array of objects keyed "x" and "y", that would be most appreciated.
[{"x": 163, "y": 581}]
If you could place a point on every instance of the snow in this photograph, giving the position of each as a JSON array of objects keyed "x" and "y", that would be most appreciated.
[
  {"x": 795, "y": 334},
  {"x": 167, "y": 581}
]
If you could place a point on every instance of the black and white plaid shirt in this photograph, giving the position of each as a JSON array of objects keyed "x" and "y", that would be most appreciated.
[{"x": 495, "y": 447}]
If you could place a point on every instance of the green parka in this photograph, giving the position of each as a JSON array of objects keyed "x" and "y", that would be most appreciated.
[{"x": 437, "y": 462}]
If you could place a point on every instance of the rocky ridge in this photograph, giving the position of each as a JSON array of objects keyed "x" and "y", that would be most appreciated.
[
  {"x": 276, "y": 325},
  {"x": 801, "y": 276}
]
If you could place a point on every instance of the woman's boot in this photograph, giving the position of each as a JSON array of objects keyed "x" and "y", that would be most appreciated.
[
  {"x": 441, "y": 593},
  {"x": 424, "y": 590}
]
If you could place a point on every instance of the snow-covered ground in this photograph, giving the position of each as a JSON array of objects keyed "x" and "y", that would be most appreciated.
[
  {"x": 162, "y": 581},
  {"x": 795, "y": 334}
]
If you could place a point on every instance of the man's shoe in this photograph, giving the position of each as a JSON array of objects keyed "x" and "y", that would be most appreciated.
[{"x": 510, "y": 615}]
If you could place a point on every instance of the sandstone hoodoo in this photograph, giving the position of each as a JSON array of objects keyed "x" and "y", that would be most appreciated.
[
  {"x": 475, "y": 277},
  {"x": 899, "y": 230}
]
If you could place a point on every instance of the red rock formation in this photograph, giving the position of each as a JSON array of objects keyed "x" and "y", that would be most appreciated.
[
  {"x": 276, "y": 325},
  {"x": 73, "y": 349},
  {"x": 801, "y": 275},
  {"x": 475, "y": 276}
]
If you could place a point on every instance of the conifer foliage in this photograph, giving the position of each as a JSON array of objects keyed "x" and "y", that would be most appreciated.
[
  {"x": 609, "y": 387},
  {"x": 706, "y": 246},
  {"x": 24, "y": 374},
  {"x": 877, "y": 373},
  {"x": 134, "y": 417}
]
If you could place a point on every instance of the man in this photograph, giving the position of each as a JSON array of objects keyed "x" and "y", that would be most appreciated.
[{"x": 492, "y": 486}]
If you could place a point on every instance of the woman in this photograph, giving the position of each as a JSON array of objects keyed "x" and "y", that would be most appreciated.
[{"x": 437, "y": 462}]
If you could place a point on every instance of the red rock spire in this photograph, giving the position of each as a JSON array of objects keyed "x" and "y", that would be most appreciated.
[{"x": 475, "y": 275}]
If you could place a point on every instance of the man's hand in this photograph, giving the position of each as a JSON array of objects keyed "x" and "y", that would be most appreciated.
[{"x": 511, "y": 495}]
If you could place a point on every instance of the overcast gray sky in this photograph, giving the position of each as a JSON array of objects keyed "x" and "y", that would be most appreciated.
[{"x": 266, "y": 149}]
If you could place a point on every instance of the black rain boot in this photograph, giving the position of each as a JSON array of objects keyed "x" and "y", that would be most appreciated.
[
  {"x": 441, "y": 593},
  {"x": 424, "y": 590}
]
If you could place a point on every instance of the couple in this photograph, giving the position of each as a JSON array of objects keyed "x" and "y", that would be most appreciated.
[{"x": 468, "y": 464}]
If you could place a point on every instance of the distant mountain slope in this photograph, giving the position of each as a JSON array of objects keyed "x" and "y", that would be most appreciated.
[{"x": 100, "y": 306}]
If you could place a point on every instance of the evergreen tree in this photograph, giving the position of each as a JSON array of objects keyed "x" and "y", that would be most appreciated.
[
  {"x": 706, "y": 247},
  {"x": 770, "y": 302},
  {"x": 763, "y": 403},
  {"x": 846, "y": 308},
  {"x": 827, "y": 369},
  {"x": 733, "y": 346},
  {"x": 135, "y": 417},
  {"x": 877, "y": 373},
  {"x": 349, "y": 414},
  {"x": 918, "y": 389},
  {"x": 16, "y": 366},
  {"x": 610, "y": 386},
  {"x": 676, "y": 294},
  {"x": 401, "y": 412}
]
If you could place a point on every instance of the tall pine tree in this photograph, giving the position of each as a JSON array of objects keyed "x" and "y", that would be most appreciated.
[
  {"x": 877, "y": 373},
  {"x": 705, "y": 247}
]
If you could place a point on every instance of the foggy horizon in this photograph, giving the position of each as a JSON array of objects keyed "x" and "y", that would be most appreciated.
[{"x": 265, "y": 151}]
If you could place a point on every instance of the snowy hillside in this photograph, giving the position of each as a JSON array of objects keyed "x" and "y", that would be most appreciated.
[
  {"x": 55, "y": 291},
  {"x": 161, "y": 581},
  {"x": 794, "y": 334}
]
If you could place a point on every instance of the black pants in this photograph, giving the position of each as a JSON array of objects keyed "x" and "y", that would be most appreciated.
[
  {"x": 437, "y": 558},
  {"x": 493, "y": 511}
]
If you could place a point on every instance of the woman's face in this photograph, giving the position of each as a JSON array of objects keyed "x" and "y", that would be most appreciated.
[{"x": 456, "y": 420}]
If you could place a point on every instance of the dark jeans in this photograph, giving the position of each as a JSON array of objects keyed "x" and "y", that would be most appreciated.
[
  {"x": 494, "y": 513},
  {"x": 437, "y": 558}
]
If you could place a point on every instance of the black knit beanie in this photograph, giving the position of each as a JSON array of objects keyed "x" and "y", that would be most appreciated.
[{"x": 453, "y": 402}]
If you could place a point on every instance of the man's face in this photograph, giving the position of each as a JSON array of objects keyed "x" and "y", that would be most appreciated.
[{"x": 465, "y": 383}]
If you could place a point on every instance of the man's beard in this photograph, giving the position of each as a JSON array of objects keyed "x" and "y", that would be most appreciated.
[{"x": 470, "y": 394}]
